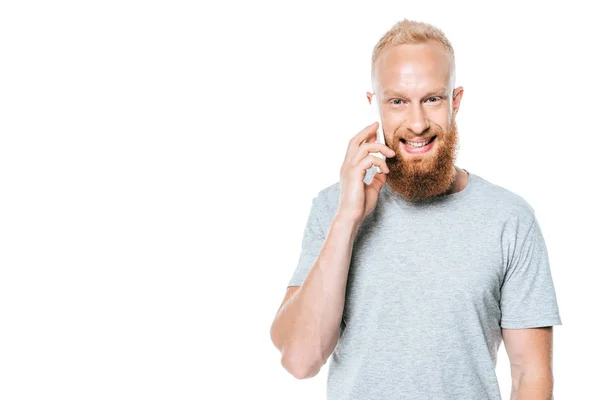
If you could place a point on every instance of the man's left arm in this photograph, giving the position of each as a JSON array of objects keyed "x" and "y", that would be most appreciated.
[{"x": 530, "y": 354}]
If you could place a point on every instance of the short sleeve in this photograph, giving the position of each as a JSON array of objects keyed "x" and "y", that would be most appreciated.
[
  {"x": 528, "y": 297},
  {"x": 312, "y": 241}
]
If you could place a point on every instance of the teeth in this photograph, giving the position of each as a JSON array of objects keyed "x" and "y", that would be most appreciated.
[{"x": 417, "y": 144}]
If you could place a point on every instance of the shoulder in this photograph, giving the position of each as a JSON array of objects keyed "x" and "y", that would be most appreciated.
[
  {"x": 504, "y": 203},
  {"x": 330, "y": 193},
  {"x": 328, "y": 199}
]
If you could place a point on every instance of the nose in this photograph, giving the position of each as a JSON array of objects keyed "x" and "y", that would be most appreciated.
[{"x": 416, "y": 120}]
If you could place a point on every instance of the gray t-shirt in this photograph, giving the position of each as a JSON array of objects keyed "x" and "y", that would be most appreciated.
[{"x": 429, "y": 287}]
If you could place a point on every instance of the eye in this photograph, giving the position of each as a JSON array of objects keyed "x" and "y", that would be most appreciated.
[
  {"x": 434, "y": 98},
  {"x": 395, "y": 100}
]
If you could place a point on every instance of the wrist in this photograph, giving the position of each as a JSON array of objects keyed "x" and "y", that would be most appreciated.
[{"x": 347, "y": 222}]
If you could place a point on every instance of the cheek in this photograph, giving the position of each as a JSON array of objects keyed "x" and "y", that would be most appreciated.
[{"x": 392, "y": 122}]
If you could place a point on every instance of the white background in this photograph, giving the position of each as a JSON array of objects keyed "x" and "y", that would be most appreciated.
[{"x": 158, "y": 160}]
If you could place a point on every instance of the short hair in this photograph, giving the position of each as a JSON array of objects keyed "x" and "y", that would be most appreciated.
[{"x": 413, "y": 32}]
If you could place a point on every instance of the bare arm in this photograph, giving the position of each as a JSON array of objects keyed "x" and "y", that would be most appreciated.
[
  {"x": 307, "y": 326},
  {"x": 530, "y": 354}
]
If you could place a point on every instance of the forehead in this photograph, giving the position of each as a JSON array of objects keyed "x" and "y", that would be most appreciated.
[{"x": 413, "y": 68}]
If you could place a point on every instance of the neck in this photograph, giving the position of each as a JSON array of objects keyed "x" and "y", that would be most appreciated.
[{"x": 460, "y": 181}]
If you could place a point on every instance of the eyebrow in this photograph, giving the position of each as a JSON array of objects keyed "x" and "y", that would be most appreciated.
[{"x": 439, "y": 91}]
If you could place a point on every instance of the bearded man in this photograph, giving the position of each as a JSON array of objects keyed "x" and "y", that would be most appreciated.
[{"x": 409, "y": 279}]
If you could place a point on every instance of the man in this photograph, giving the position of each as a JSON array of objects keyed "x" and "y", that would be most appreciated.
[{"x": 411, "y": 282}]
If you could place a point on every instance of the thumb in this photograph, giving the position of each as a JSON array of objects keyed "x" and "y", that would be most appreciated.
[{"x": 378, "y": 181}]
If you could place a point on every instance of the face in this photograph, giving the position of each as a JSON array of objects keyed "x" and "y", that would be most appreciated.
[{"x": 418, "y": 106}]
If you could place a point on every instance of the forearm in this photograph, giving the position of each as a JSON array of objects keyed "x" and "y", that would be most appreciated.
[
  {"x": 308, "y": 325},
  {"x": 532, "y": 388}
]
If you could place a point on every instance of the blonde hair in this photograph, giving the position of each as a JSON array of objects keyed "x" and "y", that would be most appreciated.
[{"x": 413, "y": 32}]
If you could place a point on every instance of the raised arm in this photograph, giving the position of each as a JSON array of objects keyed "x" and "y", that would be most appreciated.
[{"x": 307, "y": 326}]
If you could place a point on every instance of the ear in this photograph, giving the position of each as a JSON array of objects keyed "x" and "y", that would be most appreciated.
[
  {"x": 456, "y": 98},
  {"x": 369, "y": 96}
]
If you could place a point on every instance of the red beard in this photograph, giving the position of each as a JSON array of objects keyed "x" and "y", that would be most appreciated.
[{"x": 426, "y": 175}]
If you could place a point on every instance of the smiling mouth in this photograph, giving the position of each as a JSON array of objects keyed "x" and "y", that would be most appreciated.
[{"x": 416, "y": 145}]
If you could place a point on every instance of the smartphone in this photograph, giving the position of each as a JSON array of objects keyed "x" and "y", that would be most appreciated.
[{"x": 375, "y": 115}]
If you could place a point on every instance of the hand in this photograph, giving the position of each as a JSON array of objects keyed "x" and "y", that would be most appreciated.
[{"x": 357, "y": 199}]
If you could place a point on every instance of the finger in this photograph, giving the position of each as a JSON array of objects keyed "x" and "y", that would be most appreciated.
[
  {"x": 359, "y": 138},
  {"x": 371, "y": 138},
  {"x": 371, "y": 160},
  {"x": 367, "y": 148},
  {"x": 363, "y": 135}
]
